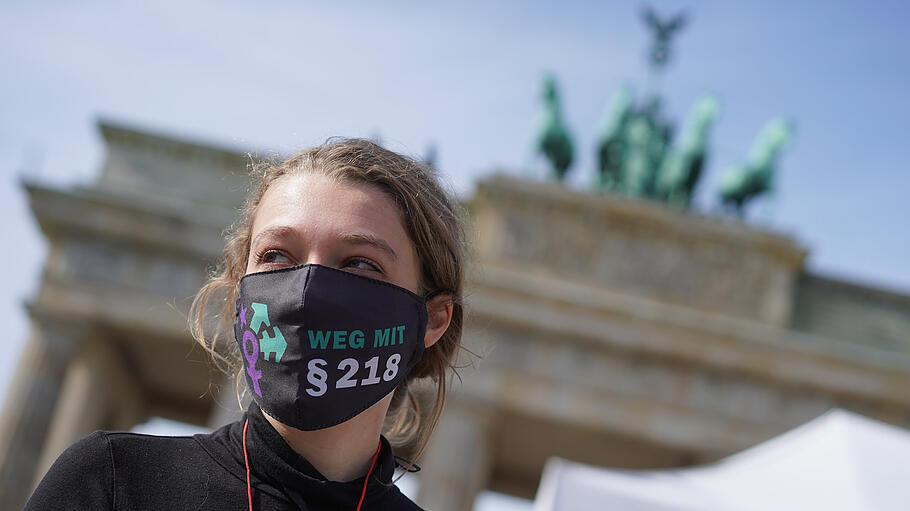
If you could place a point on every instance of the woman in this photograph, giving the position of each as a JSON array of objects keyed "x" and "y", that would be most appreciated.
[{"x": 341, "y": 284}]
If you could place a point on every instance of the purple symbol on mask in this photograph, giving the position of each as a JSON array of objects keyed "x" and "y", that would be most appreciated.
[
  {"x": 242, "y": 315},
  {"x": 251, "y": 357}
]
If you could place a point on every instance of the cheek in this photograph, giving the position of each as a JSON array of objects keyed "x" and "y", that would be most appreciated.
[
  {"x": 248, "y": 262},
  {"x": 411, "y": 280},
  {"x": 413, "y": 275},
  {"x": 423, "y": 285}
]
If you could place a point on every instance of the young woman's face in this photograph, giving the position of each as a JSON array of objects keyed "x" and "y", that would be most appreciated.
[{"x": 312, "y": 219}]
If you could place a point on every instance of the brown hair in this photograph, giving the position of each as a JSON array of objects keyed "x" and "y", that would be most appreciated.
[{"x": 434, "y": 223}]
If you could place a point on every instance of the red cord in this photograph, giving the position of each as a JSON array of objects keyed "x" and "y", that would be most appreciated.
[
  {"x": 249, "y": 491},
  {"x": 367, "y": 479}
]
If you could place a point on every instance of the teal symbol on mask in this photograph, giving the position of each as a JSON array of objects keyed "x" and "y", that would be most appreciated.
[{"x": 273, "y": 343}]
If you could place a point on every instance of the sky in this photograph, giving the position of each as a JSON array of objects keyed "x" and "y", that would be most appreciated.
[{"x": 277, "y": 76}]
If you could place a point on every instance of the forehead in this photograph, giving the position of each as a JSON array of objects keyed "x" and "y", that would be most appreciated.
[{"x": 313, "y": 204}]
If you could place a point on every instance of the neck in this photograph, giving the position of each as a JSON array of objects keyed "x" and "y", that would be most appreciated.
[{"x": 343, "y": 452}]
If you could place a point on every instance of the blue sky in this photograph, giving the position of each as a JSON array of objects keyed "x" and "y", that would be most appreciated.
[{"x": 276, "y": 76}]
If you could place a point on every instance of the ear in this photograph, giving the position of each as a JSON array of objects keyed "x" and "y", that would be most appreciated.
[{"x": 439, "y": 315}]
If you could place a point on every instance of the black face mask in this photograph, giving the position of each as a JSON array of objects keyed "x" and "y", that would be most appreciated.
[{"x": 321, "y": 345}]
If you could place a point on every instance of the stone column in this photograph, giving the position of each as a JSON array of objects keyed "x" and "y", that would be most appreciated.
[
  {"x": 98, "y": 393},
  {"x": 458, "y": 461},
  {"x": 30, "y": 405}
]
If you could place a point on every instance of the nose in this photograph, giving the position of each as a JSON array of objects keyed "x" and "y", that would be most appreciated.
[{"x": 317, "y": 256}]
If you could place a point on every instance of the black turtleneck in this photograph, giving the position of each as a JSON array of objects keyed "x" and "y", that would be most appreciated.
[{"x": 130, "y": 471}]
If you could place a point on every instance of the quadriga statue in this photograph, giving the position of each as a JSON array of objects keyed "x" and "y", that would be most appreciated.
[
  {"x": 553, "y": 137},
  {"x": 611, "y": 141},
  {"x": 683, "y": 164},
  {"x": 647, "y": 138},
  {"x": 756, "y": 175}
]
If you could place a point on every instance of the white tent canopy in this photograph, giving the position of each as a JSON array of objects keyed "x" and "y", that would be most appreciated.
[{"x": 838, "y": 461}]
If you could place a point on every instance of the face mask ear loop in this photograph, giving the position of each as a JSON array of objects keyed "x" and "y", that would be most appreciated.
[
  {"x": 246, "y": 461},
  {"x": 367, "y": 479}
]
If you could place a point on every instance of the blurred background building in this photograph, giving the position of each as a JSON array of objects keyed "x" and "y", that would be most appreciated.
[{"x": 615, "y": 329}]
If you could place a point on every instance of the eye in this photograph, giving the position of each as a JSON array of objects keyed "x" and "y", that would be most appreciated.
[
  {"x": 272, "y": 257},
  {"x": 359, "y": 263}
]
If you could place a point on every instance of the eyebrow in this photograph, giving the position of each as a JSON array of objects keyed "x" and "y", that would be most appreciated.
[
  {"x": 360, "y": 238},
  {"x": 352, "y": 237},
  {"x": 280, "y": 231}
]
